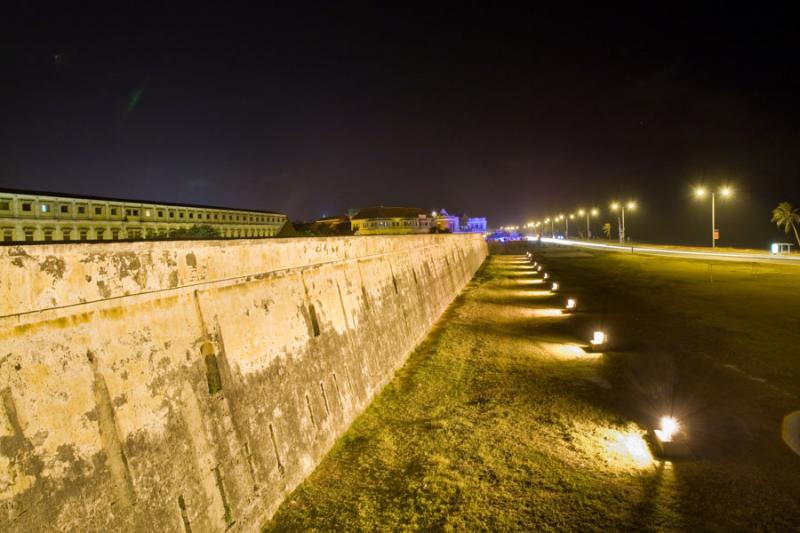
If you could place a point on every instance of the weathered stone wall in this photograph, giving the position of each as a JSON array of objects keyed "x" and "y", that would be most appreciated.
[{"x": 177, "y": 386}]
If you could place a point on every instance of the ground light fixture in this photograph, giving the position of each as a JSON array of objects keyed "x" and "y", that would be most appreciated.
[
  {"x": 571, "y": 304},
  {"x": 546, "y": 275},
  {"x": 539, "y": 268},
  {"x": 669, "y": 439},
  {"x": 554, "y": 287},
  {"x": 598, "y": 341}
]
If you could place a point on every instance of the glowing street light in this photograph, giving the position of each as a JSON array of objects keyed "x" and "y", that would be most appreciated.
[
  {"x": 571, "y": 304},
  {"x": 725, "y": 192},
  {"x": 546, "y": 275},
  {"x": 617, "y": 206},
  {"x": 554, "y": 287},
  {"x": 588, "y": 212},
  {"x": 552, "y": 231}
]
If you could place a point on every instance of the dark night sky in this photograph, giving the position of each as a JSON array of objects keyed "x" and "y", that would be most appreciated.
[{"x": 496, "y": 111}]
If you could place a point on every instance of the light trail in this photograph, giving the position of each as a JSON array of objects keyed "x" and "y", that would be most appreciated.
[{"x": 719, "y": 256}]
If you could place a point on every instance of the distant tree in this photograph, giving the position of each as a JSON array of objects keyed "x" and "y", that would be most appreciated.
[
  {"x": 787, "y": 217},
  {"x": 607, "y": 230},
  {"x": 196, "y": 232}
]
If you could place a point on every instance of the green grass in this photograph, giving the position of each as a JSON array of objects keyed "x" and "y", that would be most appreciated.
[{"x": 495, "y": 424}]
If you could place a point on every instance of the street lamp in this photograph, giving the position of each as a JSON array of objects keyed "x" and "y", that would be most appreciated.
[
  {"x": 617, "y": 206},
  {"x": 553, "y": 233},
  {"x": 725, "y": 192},
  {"x": 588, "y": 212}
]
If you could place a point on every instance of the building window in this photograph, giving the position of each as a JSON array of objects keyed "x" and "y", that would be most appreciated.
[
  {"x": 5, "y": 205},
  {"x": 216, "y": 216},
  {"x": 8, "y": 235},
  {"x": 81, "y": 210},
  {"x": 26, "y": 207},
  {"x": 180, "y": 215},
  {"x": 115, "y": 234},
  {"x": 191, "y": 215},
  {"x": 65, "y": 209},
  {"x": 100, "y": 233},
  {"x": 113, "y": 211},
  {"x": 28, "y": 235},
  {"x": 161, "y": 214},
  {"x": 84, "y": 234},
  {"x": 147, "y": 212},
  {"x": 98, "y": 210},
  {"x": 48, "y": 235},
  {"x": 171, "y": 214}
]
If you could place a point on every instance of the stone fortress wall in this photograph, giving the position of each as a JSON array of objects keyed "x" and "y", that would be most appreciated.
[{"x": 190, "y": 386}]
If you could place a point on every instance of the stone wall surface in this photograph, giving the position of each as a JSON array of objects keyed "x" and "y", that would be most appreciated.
[{"x": 189, "y": 386}]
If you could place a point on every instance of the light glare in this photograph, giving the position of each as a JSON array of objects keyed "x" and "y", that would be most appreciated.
[
  {"x": 669, "y": 427},
  {"x": 599, "y": 338}
]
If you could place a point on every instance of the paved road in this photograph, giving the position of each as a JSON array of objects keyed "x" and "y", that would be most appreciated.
[{"x": 677, "y": 252}]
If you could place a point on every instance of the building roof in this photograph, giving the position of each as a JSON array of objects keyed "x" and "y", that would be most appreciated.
[
  {"x": 134, "y": 201},
  {"x": 389, "y": 212}
]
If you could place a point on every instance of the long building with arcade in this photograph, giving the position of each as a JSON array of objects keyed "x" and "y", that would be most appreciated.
[{"x": 27, "y": 216}]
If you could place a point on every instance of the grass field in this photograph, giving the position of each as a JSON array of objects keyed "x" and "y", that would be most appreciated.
[{"x": 501, "y": 421}]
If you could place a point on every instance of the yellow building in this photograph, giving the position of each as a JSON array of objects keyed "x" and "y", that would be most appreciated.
[
  {"x": 36, "y": 217},
  {"x": 390, "y": 220}
]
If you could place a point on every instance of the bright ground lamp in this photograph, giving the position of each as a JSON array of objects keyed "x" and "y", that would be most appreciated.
[
  {"x": 554, "y": 287},
  {"x": 669, "y": 439},
  {"x": 571, "y": 305},
  {"x": 598, "y": 340},
  {"x": 546, "y": 275}
]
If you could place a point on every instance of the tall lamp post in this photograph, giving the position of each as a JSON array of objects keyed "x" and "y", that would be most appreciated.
[
  {"x": 552, "y": 232},
  {"x": 588, "y": 212},
  {"x": 725, "y": 192},
  {"x": 617, "y": 206}
]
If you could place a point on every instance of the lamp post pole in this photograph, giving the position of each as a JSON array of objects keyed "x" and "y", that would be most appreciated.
[
  {"x": 588, "y": 229},
  {"x": 725, "y": 192},
  {"x": 566, "y": 222},
  {"x": 713, "y": 220}
]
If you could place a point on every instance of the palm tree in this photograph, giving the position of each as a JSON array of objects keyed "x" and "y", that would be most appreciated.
[
  {"x": 787, "y": 216},
  {"x": 607, "y": 230}
]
